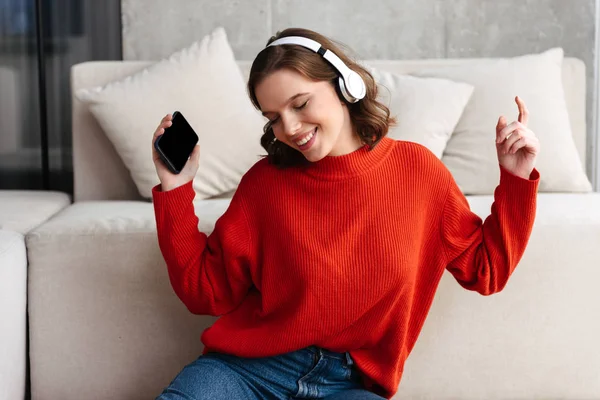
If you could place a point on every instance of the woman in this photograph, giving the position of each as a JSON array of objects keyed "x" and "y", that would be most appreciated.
[{"x": 326, "y": 262}]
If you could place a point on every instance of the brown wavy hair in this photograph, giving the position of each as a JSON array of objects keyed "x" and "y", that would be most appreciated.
[{"x": 370, "y": 118}]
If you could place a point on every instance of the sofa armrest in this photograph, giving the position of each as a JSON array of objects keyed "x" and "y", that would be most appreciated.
[
  {"x": 104, "y": 320},
  {"x": 13, "y": 314}
]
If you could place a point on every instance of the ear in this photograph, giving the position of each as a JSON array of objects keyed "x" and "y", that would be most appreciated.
[{"x": 338, "y": 92}]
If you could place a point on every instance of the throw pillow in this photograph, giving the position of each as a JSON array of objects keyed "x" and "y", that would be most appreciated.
[
  {"x": 471, "y": 153},
  {"x": 205, "y": 84},
  {"x": 426, "y": 109}
]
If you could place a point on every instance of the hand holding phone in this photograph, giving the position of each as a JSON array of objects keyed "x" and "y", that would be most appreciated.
[{"x": 173, "y": 142}]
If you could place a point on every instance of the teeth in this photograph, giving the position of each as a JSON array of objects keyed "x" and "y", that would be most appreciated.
[{"x": 306, "y": 139}]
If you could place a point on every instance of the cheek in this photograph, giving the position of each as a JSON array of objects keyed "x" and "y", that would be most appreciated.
[
  {"x": 334, "y": 118},
  {"x": 277, "y": 132},
  {"x": 329, "y": 114}
]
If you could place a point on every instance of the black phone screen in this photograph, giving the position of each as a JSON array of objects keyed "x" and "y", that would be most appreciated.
[{"x": 178, "y": 141}]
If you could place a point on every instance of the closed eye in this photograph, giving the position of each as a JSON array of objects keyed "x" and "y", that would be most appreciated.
[{"x": 300, "y": 107}]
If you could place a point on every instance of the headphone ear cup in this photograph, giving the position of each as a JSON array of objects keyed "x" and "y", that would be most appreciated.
[
  {"x": 343, "y": 92},
  {"x": 355, "y": 86}
]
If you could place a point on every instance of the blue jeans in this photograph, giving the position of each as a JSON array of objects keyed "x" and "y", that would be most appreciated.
[{"x": 309, "y": 373}]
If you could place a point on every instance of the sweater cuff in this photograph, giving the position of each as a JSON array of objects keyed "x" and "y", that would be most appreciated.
[
  {"x": 517, "y": 182},
  {"x": 175, "y": 200}
]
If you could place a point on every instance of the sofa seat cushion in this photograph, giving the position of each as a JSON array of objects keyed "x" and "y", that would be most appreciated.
[
  {"x": 553, "y": 208},
  {"x": 23, "y": 210},
  {"x": 106, "y": 217},
  {"x": 13, "y": 314}
]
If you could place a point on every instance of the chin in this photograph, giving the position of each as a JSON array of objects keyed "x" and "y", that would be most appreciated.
[
  {"x": 316, "y": 155},
  {"x": 312, "y": 158}
]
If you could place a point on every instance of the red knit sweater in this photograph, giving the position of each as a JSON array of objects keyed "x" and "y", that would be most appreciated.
[{"x": 345, "y": 254}]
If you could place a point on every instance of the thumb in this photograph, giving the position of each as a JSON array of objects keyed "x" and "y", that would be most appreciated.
[
  {"x": 195, "y": 156},
  {"x": 501, "y": 124}
]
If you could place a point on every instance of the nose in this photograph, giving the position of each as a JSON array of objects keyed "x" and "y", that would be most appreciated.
[{"x": 291, "y": 125}]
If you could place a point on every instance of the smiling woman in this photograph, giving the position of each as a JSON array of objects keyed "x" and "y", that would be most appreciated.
[
  {"x": 326, "y": 262},
  {"x": 318, "y": 102}
]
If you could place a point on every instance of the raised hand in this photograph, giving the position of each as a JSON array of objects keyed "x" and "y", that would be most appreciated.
[
  {"x": 168, "y": 179},
  {"x": 516, "y": 144}
]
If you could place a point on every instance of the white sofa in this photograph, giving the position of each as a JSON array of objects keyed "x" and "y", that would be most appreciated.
[{"x": 105, "y": 323}]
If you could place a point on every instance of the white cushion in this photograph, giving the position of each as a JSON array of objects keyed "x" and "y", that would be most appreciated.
[
  {"x": 205, "y": 84},
  {"x": 23, "y": 210},
  {"x": 471, "y": 152},
  {"x": 114, "y": 217},
  {"x": 426, "y": 109}
]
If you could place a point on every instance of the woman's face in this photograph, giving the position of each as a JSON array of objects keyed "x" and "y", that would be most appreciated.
[{"x": 307, "y": 115}]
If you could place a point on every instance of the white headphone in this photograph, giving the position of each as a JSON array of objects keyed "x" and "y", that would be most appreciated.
[{"x": 350, "y": 83}]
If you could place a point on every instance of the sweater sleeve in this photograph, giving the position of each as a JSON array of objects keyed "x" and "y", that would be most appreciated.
[
  {"x": 483, "y": 255},
  {"x": 210, "y": 274}
]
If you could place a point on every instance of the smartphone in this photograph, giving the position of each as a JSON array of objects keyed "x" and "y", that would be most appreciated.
[{"x": 176, "y": 144}]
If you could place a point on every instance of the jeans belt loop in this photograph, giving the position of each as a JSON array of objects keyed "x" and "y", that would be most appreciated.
[
  {"x": 349, "y": 361},
  {"x": 317, "y": 355}
]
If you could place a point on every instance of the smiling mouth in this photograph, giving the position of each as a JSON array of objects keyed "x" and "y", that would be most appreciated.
[{"x": 306, "y": 138}]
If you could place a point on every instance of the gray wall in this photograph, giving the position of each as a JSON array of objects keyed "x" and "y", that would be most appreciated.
[{"x": 376, "y": 29}]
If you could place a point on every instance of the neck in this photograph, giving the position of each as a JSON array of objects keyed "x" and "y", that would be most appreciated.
[{"x": 349, "y": 140}]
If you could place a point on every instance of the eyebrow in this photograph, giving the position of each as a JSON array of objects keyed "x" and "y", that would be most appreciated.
[{"x": 287, "y": 102}]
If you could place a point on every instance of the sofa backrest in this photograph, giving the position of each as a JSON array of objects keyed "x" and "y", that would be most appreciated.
[{"x": 99, "y": 173}]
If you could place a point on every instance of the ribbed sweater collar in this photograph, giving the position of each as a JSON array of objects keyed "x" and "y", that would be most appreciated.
[{"x": 351, "y": 164}]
